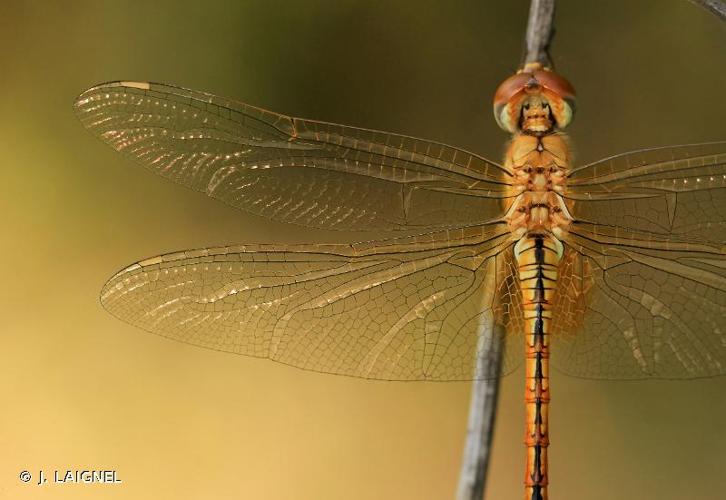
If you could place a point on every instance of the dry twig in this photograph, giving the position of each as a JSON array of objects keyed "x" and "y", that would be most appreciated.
[{"x": 714, "y": 6}]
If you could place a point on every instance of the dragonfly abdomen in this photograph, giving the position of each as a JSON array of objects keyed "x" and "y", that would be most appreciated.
[{"x": 538, "y": 257}]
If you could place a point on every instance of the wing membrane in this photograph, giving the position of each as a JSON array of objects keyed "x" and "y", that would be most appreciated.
[
  {"x": 638, "y": 305},
  {"x": 408, "y": 309},
  {"x": 293, "y": 170},
  {"x": 642, "y": 289},
  {"x": 675, "y": 191}
]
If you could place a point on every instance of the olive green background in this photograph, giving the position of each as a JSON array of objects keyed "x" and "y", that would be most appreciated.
[{"x": 80, "y": 389}]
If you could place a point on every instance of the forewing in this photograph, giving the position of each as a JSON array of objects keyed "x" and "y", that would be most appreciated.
[
  {"x": 408, "y": 309},
  {"x": 675, "y": 191},
  {"x": 638, "y": 305},
  {"x": 293, "y": 170}
]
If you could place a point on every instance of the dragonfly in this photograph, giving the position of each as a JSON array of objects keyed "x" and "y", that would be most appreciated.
[{"x": 610, "y": 270}]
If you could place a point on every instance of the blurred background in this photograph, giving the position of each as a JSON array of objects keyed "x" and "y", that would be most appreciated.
[{"x": 81, "y": 390}]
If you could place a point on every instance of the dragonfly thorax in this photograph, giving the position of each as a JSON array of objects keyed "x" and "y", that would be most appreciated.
[{"x": 539, "y": 168}]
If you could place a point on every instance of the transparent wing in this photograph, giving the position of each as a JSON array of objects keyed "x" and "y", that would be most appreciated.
[
  {"x": 638, "y": 305},
  {"x": 414, "y": 308},
  {"x": 675, "y": 191},
  {"x": 293, "y": 170}
]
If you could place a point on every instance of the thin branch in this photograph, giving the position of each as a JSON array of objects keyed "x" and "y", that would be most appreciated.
[
  {"x": 714, "y": 6},
  {"x": 539, "y": 32},
  {"x": 482, "y": 412}
]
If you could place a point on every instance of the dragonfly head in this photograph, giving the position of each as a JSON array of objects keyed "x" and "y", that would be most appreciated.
[{"x": 535, "y": 101}]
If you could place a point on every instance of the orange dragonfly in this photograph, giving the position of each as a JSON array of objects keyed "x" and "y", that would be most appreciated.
[{"x": 618, "y": 266}]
